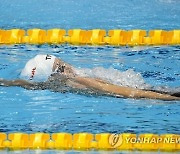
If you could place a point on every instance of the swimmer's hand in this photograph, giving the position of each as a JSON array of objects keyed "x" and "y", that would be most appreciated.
[{"x": 177, "y": 94}]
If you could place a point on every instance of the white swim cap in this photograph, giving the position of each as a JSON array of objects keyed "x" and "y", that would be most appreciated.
[{"x": 38, "y": 68}]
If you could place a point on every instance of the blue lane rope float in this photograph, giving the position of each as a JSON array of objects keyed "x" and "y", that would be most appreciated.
[
  {"x": 88, "y": 141},
  {"x": 115, "y": 37}
]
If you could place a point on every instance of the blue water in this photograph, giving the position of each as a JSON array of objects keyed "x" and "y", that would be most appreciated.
[
  {"x": 43, "y": 110},
  {"x": 88, "y": 14},
  {"x": 46, "y": 111}
]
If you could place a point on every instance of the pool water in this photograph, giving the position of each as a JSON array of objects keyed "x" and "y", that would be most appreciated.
[
  {"x": 46, "y": 111},
  {"x": 29, "y": 111}
]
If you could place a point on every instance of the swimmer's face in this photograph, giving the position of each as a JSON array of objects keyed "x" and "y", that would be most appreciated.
[
  {"x": 59, "y": 65},
  {"x": 62, "y": 67}
]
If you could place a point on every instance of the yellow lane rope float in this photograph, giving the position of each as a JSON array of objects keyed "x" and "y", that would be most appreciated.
[
  {"x": 117, "y": 37},
  {"x": 88, "y": 141}
]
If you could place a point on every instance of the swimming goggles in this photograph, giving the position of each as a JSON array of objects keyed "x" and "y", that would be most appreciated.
[{"x": 60, "y": 68}]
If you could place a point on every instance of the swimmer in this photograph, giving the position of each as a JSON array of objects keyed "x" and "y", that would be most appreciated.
[{"x": 49, "y": 72}]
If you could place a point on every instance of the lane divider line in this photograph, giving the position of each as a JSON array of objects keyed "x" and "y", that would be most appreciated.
[
  {"x": 116, "y": 37},
  {"x": 88, "y": 141}
]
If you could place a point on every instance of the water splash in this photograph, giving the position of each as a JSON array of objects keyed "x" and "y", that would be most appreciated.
[{"x": 127, "y": 78}]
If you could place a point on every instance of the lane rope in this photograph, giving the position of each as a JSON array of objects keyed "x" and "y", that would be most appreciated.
[
  {"x": 116, "y": 37},
  {"x": 88, "y": 141}
]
